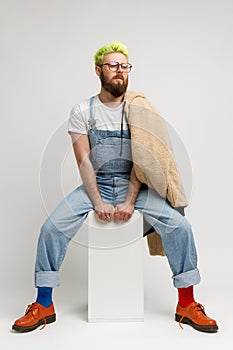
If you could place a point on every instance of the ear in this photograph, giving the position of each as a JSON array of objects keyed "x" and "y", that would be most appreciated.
[{"x": 97, "y": 70}]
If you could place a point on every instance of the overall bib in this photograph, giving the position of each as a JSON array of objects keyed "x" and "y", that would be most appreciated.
[
  {"x": 111, "y": 159},
  {"x": 110, "y": 149}
]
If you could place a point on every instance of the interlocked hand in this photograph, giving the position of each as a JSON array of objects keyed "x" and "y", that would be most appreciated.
[
  {"x": 124, "y": 211},
  {"x": 105, "y": 211}
]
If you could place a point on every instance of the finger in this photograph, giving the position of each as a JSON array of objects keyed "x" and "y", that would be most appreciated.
[
  {"x": 110, "y": 216},
  {"x": 109, "y": 213},
  {"x": 100, "y": 215},
  {"x": 117, "y": 214},
  {"x": 127, "y": 217},
  {"x": 121, "y": 216},
  {"x": 107, "y": 217}
]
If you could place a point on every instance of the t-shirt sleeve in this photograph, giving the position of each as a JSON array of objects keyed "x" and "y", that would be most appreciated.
[{"x": 77, "y": 122}]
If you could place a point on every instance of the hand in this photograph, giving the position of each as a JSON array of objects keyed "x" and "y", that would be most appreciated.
[
  {"x": 105, "y": 211},
  {"x": 124, "y": 211}
]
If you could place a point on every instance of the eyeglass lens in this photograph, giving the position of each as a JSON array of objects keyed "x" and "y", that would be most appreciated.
[{"x": 114, "y": 66}]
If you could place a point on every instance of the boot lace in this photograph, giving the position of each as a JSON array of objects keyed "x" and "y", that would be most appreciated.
[
  {"x": 31, "y": 308},
  {"x": 197, "y": 307}
]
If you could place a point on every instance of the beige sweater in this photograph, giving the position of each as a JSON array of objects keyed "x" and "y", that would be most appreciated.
[{"x": 153, "y": 158}]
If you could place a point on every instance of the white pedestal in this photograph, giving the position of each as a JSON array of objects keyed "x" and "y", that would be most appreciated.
[{"x": 115, "y": 269}]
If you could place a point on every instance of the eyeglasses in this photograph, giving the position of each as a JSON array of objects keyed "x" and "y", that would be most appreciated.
[{"x": 114, "y": 66}]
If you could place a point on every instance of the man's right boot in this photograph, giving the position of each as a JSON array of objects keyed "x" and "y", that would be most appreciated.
[{"x": 36, "y": 315}]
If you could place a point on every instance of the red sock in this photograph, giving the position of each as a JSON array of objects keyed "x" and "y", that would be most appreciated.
[{"x": 185, "y": 296}]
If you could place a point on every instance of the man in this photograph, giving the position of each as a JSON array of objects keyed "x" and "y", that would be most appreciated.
[{"x": 102, "y": 139}]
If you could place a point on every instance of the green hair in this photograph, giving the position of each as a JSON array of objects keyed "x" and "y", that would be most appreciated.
[{"x": 116, "y": 46}]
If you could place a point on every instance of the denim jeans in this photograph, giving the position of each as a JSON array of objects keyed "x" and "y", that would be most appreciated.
[{"x": 65, "y": 221}]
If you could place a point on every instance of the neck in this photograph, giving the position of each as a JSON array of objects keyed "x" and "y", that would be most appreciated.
[{"x": 107, "y": 98}]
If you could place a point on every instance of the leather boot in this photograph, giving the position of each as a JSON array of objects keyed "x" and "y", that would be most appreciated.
[
  {"x": 195, "y": 316},
  {"x": 35, "y": 316}
]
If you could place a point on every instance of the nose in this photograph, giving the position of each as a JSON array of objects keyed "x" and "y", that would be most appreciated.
[{"x": 119, "y": 68}]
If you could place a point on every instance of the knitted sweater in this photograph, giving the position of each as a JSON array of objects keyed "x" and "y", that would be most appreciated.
[{"x": 153, "y": 158}]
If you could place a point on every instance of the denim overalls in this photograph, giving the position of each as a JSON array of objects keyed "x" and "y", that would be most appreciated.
[
  {"x": 111, "y": 159},
  {"x": 110, "y": 150}
]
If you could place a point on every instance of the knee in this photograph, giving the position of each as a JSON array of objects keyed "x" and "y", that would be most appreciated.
[
  {"x": 47, "y": 229},
  {"x": 179, "y": 224},
  {"x": 185, "y": 225},
  {"x": 185, "y": 229}
]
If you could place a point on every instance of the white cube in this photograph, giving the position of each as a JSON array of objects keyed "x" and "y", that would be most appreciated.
[{"x": 115, "y": 269}]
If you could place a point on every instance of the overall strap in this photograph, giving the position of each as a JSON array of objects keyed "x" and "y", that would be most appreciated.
[
  {"x": 91, "y": 115},
  {"x": 91, "y": 120}
]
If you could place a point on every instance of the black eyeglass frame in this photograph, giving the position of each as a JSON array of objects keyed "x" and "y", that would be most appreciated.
[{"x": 116, "y": 66}]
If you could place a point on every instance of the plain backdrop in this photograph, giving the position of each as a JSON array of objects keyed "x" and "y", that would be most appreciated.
[{"x": 182, "y": 54}]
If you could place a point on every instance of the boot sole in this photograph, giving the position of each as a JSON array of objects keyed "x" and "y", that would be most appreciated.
[
  {"x": 20, "y": 329},
  {"x": 201, "y": 328}
]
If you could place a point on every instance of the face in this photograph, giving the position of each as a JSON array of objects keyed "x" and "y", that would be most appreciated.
[{"x": 114, "y": 82}]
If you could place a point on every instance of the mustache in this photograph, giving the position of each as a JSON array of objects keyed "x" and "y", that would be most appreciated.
[{"x": 118, "y": 76}]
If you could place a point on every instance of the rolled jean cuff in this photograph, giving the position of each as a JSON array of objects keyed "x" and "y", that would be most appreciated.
[
  {"x": 186, "y": 279},
  {"x": 47, "y": 279}
]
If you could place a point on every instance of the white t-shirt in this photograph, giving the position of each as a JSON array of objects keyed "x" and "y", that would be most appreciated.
[{"x": 107, "y": 118}]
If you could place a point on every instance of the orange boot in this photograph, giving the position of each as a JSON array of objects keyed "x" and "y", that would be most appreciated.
[
  {"x": 194, "y": 315},
  {"x": 35, "y": 316}
]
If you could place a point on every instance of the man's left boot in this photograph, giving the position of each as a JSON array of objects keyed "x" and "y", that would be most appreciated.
[{"x": 195, "y": 316}]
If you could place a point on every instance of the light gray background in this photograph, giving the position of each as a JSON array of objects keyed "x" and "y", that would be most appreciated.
[{"x": 181, "y": 53}]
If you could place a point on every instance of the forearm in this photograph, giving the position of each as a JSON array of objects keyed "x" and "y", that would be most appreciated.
[
  {"x": 89, "y": 181},
  {"x": 133, "y": 189},
  {"x": 124, "y": 211},
  {"x": 81, "y": 150},
  {"x": 81, "y": 147}
]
